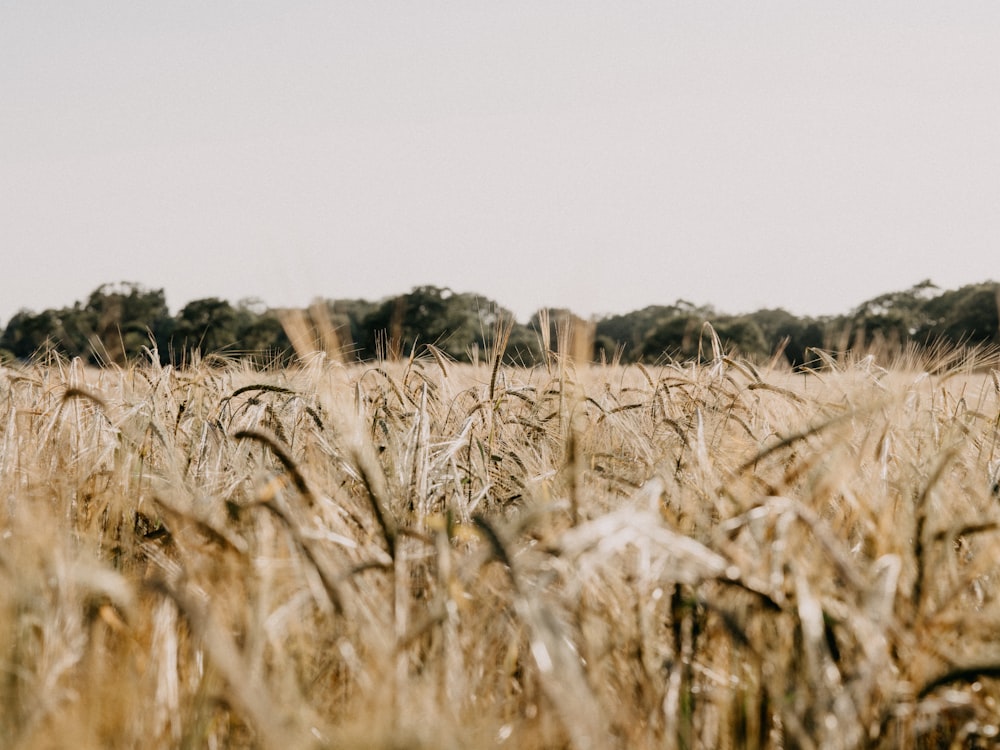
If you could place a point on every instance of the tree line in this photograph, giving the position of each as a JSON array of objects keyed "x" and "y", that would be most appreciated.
[{"x": 119, "y": 323}]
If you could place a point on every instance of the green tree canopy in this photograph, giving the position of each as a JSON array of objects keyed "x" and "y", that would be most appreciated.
[
  {"x": 458, "y": 324},
  {"x": 119, "y": 320},
  {"x": 964, "y": 316},
  {"x": 28, "y": 332},
  {"x": 116, "y": 322},
  {"x": 206, "y": 325}
]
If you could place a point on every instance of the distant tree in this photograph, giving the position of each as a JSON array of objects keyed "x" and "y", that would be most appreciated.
[
  {"x": 742, "y": 335},
  {"x": 120, "y": 320},
  {"x": 676, "y": 337},
  {"x": 639, "y": 334},
  {"x": 260, "y": 334},
  {"x": 558, "y": 318},
  {"x": 920, "y": 316},
  {"x": 814, "y": 336},
  {"x": 888, "y": 321},
  {"x": 567, "y": 334},
  {"x": 523, "y": 347},
  {"x": 74, "y": 330},
  {"x": 630, "y": 331},
  {"x": 27, "y": 333},
  {"x": 208, "y": 325},
  {"x": 348, "y": 317},
  {"x": 908, "y": 304},
  {"x": 458, "y": 324},
  {"x": 963, "y": 316},
  {"x": 794, "y": 336},
  {"x": 685, "y": 336},
  {"x": 890, "y": 330}
]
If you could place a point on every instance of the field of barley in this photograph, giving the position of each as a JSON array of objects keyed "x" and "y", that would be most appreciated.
[{"x": 422, "y": 554}]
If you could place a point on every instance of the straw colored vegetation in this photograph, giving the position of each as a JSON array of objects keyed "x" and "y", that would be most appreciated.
[{"x": 430, "y": 555}]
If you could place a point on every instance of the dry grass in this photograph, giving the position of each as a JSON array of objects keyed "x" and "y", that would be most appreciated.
[{"x": 427, "y": 555}]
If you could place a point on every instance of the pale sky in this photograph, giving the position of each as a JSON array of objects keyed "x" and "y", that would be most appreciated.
[{"x": 596, "y": 156}]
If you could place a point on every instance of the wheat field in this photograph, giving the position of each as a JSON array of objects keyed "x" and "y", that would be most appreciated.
[{"x": 422, "y": 554}]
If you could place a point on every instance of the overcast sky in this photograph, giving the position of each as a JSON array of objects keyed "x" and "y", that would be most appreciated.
[{"x": 597, "y": 156}]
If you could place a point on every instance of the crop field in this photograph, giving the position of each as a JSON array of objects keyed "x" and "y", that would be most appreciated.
[{"x": 422, "y": 554}]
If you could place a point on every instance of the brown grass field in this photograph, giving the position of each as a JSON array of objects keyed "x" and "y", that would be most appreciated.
[{"x": 422, "y": 554}]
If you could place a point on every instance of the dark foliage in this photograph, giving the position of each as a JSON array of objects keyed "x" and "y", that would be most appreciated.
[{"x": 119, "y": 323}]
